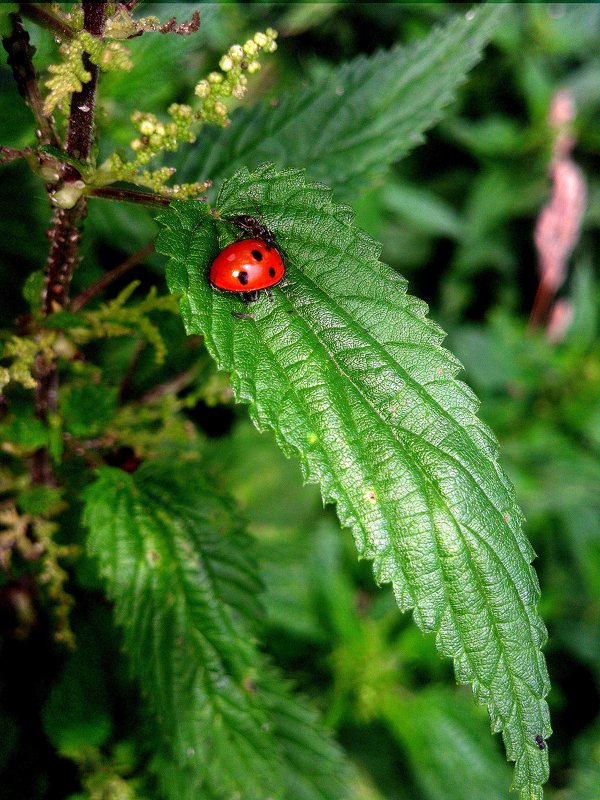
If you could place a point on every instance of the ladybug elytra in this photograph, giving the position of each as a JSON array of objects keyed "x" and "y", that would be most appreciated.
[{"x": 248, "y": 265}]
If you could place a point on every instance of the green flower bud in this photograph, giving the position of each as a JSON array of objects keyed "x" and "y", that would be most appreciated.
[
  {"x": 202, "y": 89},
  {"x": 68, "y": 195},
  {"x": 226, "y": 63}
]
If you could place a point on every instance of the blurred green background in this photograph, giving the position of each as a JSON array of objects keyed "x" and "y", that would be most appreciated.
[{"x": 456, "y": 217}]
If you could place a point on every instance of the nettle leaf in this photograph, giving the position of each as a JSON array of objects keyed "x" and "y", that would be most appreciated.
[
  {"x": 178, "y": 566},
  {"x": 350, "y": 125},
  {"x": 351, "y": 376},
  {"x": 444, "y": 725}
]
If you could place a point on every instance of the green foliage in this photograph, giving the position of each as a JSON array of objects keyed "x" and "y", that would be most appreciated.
[
  {"x": 367, "y": 113},
  {"x": 88, "y": 408},
  {"x": 437, "y": 721},
  {"x": 77, "y": 714},
  {"x": 181, "y": 574},
  {"x": 71, "y": 74},
  {"x": 380, "y": 422},
  {"x": 118, "y": 318},
  {"x": 233, "y": 631},
  {"x": 26, "y": 431}
]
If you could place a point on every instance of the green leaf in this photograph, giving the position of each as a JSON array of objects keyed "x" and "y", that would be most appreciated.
[
  {"x": 356, "y": 383},
  {"x": 264, "y": 483},
  {"x": 352, "y": 124},
  {"x": 178, "y": 567},
  {"x": 423, "y": 209},
  {"x": 87, "y": 408},
  {"x": 76, "y": 715},
  {"x": 440, "y": 724},
  {"x": 26, "y": 431},
  {"x": 32, "y": 289},
  {"x": 38, "y": 499}
]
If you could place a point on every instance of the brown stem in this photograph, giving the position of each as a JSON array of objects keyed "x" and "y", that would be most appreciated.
[
  {"x": 63, "y": 256},
  {"x": 20, "y": 58},
  {"x": 184, "y": 28},
  {"x": 100, "y": 285},
  {"x": 10, "y": 154},
  {"x": 64, "y": 231},
  {"x": 129, "y": 196},
  {"x": 127, "y": 382},
  {"x": 41, "y": 14},
  {"x": 80, "y": 133},
  {"x": 172, "y": 386},
  {"x": 45, "y": 398},
  {"x": 64, "y": 235},
  {"x": 541, "y": 305}
]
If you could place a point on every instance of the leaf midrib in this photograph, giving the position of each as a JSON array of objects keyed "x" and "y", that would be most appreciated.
[
  {"x": 417, "y": 387},
  {"x": 518, "y": 713},
  {"x": 204, "y": 677},
  {"x": 428, "y": 482}
]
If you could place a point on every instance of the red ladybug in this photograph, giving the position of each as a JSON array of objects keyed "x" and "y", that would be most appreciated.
[{"x": 248, "y": 265}]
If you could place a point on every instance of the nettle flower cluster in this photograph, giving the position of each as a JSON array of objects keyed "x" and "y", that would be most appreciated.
[
  {"x": 232, "y": 81},
  {"x": 71, "y": 74},
  {"x": 156, "y": 137}
]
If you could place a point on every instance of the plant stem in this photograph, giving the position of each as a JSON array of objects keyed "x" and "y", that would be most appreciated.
[
  {"x": 172, "y": 386},
  {"x": 66, "y": 223},
  {"x": 64, "y": 235},
  {"x": 81, "y": 118},
  {"x": 20, "y": 58},
  {"x": 41, "y": 14},
  {"x": 10, "y": 154},
  {"x": 100, "y": 285},
  {"x": 129, "y": 196},
  {"x": 127, "y": 382}
]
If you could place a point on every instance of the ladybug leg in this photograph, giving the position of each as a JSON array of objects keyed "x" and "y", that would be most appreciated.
[
  {"x": 251, "y": 297},
  {"x": 269, "y": 295}
]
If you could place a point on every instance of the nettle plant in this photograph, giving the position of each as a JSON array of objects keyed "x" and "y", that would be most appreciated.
[{"x": 108, "y": 489}]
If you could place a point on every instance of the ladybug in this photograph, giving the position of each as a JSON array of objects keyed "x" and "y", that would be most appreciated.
[{"x": 248, "y": 265}]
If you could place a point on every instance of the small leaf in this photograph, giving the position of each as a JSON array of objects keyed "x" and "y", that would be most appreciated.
[
  {"x": 352, "y": 124},
  {"x": 38, "y": 499},
  {"x": 76, "y": 715},
  {"x": 351, "y": 376},
  {"x": 423, "y": 209},
  {"x": 86, "y": 409},
  {"x": 179, "y": 569},
  {"x": 32, "y": 289},
  {"x": 26, "y": 431},
  {"x": 440, "y": 724}
]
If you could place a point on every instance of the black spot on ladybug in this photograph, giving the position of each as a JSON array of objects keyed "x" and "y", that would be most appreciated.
[
  {"x": 271, "y": 272},
  {"x": 257, "y": 255},
  {"x": 243, "y": 278},
  {"x": 539, "y": 740}
]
